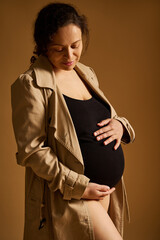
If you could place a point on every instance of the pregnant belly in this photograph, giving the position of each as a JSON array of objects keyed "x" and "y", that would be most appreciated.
[{"x": 103, "y": 164}]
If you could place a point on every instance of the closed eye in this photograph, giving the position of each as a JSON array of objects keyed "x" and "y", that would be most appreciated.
[
  {"x": 75, "y": 46},
  {"x": 59, "y": 50}
]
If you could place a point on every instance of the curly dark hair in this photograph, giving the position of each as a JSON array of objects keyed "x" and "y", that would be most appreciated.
[{"x": 52, "y": 17}]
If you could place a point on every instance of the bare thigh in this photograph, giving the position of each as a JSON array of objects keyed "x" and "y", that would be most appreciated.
[
  {"x": 103, "y": 226},
  {"x": 105, "y": 202}
]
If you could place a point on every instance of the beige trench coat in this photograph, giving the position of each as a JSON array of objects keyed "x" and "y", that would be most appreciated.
[{"x": 48, "y": 147}]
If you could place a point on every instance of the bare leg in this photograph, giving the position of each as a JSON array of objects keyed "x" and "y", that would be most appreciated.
[
  {"x": 105, "y": 202},
  {"x": 103, "y": 226}
]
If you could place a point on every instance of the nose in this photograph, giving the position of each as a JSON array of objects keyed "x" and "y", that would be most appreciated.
[{"x": 69, "y": 53}]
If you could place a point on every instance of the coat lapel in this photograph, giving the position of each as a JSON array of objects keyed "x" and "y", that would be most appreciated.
[
  {"x": 88, "y": 77},
  {"x": 61, "y": 120}
]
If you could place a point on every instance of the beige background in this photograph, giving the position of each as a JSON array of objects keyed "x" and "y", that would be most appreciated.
[{"x": 125, "y": 53}]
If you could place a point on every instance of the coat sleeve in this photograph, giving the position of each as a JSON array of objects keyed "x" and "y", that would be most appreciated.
[
  {"x": 28, "y": 117},
  {"x": 129, "y": 134}
]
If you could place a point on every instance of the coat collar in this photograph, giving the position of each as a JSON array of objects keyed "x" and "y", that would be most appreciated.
[{"x": 45, "y": 76}]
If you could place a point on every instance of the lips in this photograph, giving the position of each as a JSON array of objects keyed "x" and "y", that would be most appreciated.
[{"x": 68, "y": 63}]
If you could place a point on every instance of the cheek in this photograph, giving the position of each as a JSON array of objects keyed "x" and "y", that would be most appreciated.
[
  {"x": 79, "y": 52},
  {"x": 55, "y": 58}
]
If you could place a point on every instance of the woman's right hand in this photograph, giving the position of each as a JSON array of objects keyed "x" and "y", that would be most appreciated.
[{"x": 96, "y": 191}]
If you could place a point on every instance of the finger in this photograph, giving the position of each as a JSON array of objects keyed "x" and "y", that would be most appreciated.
[
  {"x": 102, "y": 194},
  {"x": 118, "y": 141},
  {"x": 109, "y": 140},
  {"x": 104, "y": 122},
  {"x": 111, "y": 190},
  {"x": 105, "y": 135},
  {"x": 103, "y": 188},
  {"x": 102, "y": 130}
]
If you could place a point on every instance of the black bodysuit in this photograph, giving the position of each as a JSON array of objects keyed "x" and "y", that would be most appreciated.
[{"x": 103, "y": 164}]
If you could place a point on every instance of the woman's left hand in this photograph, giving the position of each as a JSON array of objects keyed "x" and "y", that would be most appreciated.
[{"x": 113, "y": 131}]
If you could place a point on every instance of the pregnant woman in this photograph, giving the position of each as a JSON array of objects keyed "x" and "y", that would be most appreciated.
[{"x": 68, "y": 137}]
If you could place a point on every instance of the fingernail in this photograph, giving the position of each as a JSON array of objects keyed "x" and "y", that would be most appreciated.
[{"x": 95, "y": 134}]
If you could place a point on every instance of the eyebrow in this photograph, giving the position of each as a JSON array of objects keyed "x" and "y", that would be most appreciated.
[{"x": 56, "y": 44}]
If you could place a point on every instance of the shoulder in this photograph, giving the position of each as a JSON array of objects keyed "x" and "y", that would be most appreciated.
[
  {"x": 25, "y": 79},
  {"x": 25, "y": 88}
]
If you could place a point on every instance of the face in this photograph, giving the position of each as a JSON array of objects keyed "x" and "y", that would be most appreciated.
[{"x": 66, "y": 47}]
